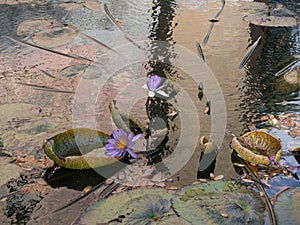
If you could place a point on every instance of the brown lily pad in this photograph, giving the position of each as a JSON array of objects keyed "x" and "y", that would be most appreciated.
[{"x": 257, "y": 147}]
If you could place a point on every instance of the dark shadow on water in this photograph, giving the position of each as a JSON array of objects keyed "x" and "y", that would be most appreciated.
[
  {"x": 79, "y": 179},
  {"x": 73, "y": 179}
]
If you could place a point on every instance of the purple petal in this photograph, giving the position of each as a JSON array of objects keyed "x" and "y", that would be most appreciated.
[
  {"x": 130, "y": 137},
  {"x": 112, "y": 141},
  {"x": 137, "y": 137},
  {"x": 111, "y": 148},
  {"x": 281, "y": 162},
  {"x": 122, "y": 133},
  {"x": 130, "y": 144},
  {"x": 132, "y": 153},
  {"x": 114, "y": 153},
  {"x": 154, "y": 82},
  {"x": 115, "y": 134}
]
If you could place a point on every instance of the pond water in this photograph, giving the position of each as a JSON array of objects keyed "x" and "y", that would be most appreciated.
[{"x": 166, "y": 32}]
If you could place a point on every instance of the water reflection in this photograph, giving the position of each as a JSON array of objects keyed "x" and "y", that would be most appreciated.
[
  {"x": 160, "y": 57},
  {"x": 263, "y": 93}
]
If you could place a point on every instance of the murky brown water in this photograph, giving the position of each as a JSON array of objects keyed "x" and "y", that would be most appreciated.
[{"x": 168, "y": 31}]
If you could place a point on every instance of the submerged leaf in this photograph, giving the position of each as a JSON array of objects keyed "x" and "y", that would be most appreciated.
[
  {"x": 30, "y": 27},
  {"x": 54, "y": 37}
]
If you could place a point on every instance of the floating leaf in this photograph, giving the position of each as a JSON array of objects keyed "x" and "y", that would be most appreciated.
[
  {"x": 206, "y": 204},
  {"x": 54, "y": 37},
  {"x": 287, "y": 207},
  {"x": 126, "y": 121},
  {"x": 29, "y": 27},
  {"x": 78, "y": 148},
  {"x": 257, "y": 147}
]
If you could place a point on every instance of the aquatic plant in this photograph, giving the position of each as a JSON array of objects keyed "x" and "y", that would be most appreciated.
[
  {"x": 121, "y": 143},
  {"x": 243, "y": 209},
  {"x": 78, "y": 148},
  {"x": 154, "y": 85},
  {"x": 205, "y": 203},
  {"x": 154, "y": 211},
  {"x": 257, "y": 146}
]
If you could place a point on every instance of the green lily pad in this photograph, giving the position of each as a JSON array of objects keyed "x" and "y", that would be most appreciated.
[
  {"x": 209, "y": 204},
  {"x": 79, "y": 148},
  {"x": 287, "y": 207}
]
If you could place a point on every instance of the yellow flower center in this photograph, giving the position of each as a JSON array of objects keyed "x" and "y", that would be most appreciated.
[{"x": 121, "y": 145}]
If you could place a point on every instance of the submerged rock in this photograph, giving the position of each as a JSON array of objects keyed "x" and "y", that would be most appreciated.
[{"x": 272, "y": 15}]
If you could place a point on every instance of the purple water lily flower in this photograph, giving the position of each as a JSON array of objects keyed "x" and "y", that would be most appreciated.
[
  {"x": 154, "y": 85},
  {"x": 121, "y": 143}
]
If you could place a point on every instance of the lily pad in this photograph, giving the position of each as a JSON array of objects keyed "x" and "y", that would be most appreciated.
[
  {"x": 207, "y": 205},
  {"x": 126, "y": 121},
  {"x": 272, "y": 15},
  {"x": 287, "y": 207},
  {"x": 29, "y": 27},
  {"x": 79, "y": 148},
  {"x": 257, "y": 147},
  {"x": 55, "y": 37}
]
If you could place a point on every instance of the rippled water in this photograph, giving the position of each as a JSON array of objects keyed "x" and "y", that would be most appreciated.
[
  {"x": 249, "y": 93},
  {"x": 166, "y": 29}
]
